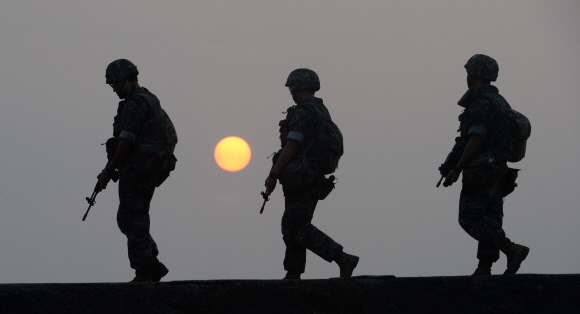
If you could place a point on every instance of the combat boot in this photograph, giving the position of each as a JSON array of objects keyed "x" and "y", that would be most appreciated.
[
  {"x": 347, "y": 263},
  {"x": 142, "y": 276},
  {"x": 158, "y": 271},
  {"x": 483, "y": 268},
  {"x": 290, "y": 275},
  {"x": 515, "y": 254}
]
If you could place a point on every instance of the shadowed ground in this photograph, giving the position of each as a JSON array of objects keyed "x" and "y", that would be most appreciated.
[{"x": 364, "y": 294}]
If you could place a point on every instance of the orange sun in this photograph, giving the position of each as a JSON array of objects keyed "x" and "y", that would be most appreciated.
[{"x": 232, "y": 154}]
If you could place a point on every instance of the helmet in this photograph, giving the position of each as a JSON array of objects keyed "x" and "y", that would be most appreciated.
[
  {"x": 483, "y": 67},
  {"x": 120, "y": 69},
  {"x": 303, "y": 79}
]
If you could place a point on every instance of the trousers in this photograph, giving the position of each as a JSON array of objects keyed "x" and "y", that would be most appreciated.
[
  {"x": 299, "y": 234},
  {"x": 481, "y": 209},
  {"x": 135, "y": 194}
]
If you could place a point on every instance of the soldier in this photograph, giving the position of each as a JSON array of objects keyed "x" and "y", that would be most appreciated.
[
  {"x": 146, "y": 140},
  {"x": 483, "y": 162},
  {"x": 302, "y": 179}
]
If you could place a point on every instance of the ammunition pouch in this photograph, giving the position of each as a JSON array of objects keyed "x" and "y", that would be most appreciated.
[
  {"x": 111, "y": 148},
  {"x": 275, "y": 157}
]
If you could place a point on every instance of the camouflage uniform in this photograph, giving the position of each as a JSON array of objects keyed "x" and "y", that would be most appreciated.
[
  {"x": 481, "y": 203},
  {"x": 141, "y": 121},
  {"x": 301, "y": 182}
]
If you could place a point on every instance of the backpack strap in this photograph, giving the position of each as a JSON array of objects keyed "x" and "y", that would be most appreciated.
[
  {"x": 318, "y": 127},
  {"x": 496, "y": 123}
]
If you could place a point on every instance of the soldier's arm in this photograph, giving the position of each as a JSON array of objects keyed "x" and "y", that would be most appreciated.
[
  {"x": 481, "y": 116},
  {"x": 472, "y": 148},
  {"x": 288, "y": 152},
  {"x": 286, "y": 156},
  {"x": 121, "y": 154},
  {"x": 132, "y": 116}
]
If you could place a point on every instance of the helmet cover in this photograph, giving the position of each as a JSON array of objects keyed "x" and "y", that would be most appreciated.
[
  {"x": 303, "y": 79},
  {"x": 483, "y": 67},
  {"x": 119, "y": 70}
]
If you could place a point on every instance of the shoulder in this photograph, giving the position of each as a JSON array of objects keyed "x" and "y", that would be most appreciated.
[
  {"x": 303, "y": 112},
  {"x": 481, "y": 105},
  {"x": 135, "y": 108},
  {"x": 135, "y": 103}
]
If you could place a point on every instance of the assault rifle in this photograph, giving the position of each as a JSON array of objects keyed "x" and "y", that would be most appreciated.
[
  {"x": 451, "y": 160},
  {"x": 111, "y": 147},
  {"x": 96, "y": 190},
  {"x": 265, "y": 195}
]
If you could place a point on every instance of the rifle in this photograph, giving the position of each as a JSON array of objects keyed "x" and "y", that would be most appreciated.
[
  {"x": 96, "y": 190},
  {"x": 451, "y": 160},
  {"x": 111, "y": 147},
  {"x": 265, "y": 195}
]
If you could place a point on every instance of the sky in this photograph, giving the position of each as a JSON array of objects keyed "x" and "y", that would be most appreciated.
[{"x": 391, "y": 75}]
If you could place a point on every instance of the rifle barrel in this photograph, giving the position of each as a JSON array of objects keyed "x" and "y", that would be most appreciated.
[{"x": 91, "y": 200}]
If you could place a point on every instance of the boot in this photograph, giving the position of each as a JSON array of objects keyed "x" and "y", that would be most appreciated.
[
  {"x": 483, "y": 268},
  {"x": 290, "y": 275},
  {"x": 158, "y": 271},
  {"x": 347, "y": 263},
  {"x": 515, "y": 254},
  {"x": 142, "y": 276}
]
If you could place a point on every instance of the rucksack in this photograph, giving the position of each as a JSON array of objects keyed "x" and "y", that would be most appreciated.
[
  {"x": 326, "y": 147},
  {"x": 518, "y": 130},
  {"x": 514, "y": 128}
]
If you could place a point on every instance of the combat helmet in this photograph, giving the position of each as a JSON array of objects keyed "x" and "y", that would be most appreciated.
[
  {"x": 303, "y": 79},
  {"x": 120, "y": 69},
  {"x": 483, "y": 67}
]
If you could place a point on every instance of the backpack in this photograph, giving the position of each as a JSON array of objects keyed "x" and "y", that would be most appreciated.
[
  {"x": 326, "y": 147},
  {"x": 518, "y": 130},
  {"x": 515, "y": 129},
  {"x": 156, "y": 159}
]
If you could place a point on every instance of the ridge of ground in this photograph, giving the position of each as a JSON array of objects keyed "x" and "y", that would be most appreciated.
[{"x": 523, "y": 293}]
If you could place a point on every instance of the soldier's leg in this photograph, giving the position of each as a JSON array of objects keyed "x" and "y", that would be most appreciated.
[
  {"x": 475, "y": 218},
  {"x": 135, "y": 196},
  {"x": 515, "y": 253},
  {"x": 295, "y": 257},
  {"x": 299, "y": 233}
]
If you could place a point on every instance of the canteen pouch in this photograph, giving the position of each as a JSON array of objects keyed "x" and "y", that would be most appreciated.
[
  {"x": 509, "y": 182},
  {"x": 327, "y": 187}
]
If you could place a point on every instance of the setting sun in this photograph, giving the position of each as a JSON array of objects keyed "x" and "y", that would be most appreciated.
[{"x": 232, "y": 154}]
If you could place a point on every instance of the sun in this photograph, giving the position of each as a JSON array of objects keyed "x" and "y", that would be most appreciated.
[{"x": 232, "y": 154}]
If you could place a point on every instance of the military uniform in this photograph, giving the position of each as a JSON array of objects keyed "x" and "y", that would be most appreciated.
[
  {"x": 141, "y": 121},
  {"x": 301, "y": 182},
  {"x": 481, "y": 202}
]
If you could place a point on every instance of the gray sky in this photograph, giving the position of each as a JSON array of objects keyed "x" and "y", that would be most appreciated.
[{"x": 391, "y": 72}]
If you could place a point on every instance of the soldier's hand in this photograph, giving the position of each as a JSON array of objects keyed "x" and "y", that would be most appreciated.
[
  {"x": 451, "y": 177},
  {"x": 270, "y": 184},
  {"x": 104, "y": 178}
]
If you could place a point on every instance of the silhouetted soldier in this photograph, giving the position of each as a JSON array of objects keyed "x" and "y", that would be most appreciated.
[
  {"x": 484, "y": 146},
  {"x": 144, "y": 157},
  {"x": 311, "y": 147}
]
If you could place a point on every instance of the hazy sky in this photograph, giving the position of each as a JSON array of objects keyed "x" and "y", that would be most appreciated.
[{"x": 391, "y": 73}]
